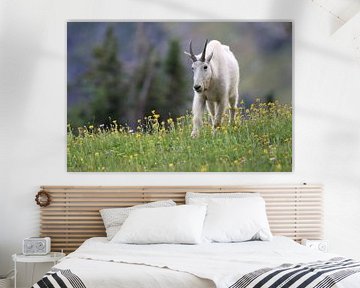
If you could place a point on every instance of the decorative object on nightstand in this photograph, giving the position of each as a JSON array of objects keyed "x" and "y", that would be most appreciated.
[
  {"x": 36, "y": 246},
  {"x": 320, "y": 245},
  {"x": 53, "y": 257}
]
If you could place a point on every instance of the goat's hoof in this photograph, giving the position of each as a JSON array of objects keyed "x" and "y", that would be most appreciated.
[{"x": 194, "y": 134}]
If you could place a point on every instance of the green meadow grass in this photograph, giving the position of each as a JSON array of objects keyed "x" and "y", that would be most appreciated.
[{"x": 259, "y": 141}]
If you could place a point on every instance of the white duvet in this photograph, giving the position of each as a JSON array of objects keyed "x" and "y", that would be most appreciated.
[{"x": 100, "y": 263}]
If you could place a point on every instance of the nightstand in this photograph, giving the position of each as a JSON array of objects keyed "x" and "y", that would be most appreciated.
[
  {"x": 320, "y": 245},
  {"x": 53, "y": 257}
]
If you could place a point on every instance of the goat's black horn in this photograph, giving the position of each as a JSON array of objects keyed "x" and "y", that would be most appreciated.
[
  {"x": 193, "y": 57},
  {"x": 202, "y": 59}
]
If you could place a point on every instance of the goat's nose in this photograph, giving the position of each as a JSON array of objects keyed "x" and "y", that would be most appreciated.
[{"x": 197, "y": 88}]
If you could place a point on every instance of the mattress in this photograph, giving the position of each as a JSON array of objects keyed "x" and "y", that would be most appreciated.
[{"x": 99, "y": 263}]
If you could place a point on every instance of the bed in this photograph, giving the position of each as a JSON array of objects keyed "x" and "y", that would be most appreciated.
[
  {"x": 294, "y": 211},
  {"x": 99, "y": 263}
]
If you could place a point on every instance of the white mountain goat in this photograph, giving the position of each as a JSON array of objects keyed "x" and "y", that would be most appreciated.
[{"x": 216, "y": 83}]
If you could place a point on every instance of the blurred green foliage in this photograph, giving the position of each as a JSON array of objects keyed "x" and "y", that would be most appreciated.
[{"x": 114, "y": 94}]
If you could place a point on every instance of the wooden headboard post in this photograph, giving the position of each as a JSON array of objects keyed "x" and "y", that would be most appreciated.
[{"x": 73, "y": 214}]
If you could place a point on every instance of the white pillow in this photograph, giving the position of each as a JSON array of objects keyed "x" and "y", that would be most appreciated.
[
  {"x": 236, "y": 220},
  {"x": 180, "y": 224},
  {"x": 113, "y": 218},
  {"x": 204, "y": 198}
]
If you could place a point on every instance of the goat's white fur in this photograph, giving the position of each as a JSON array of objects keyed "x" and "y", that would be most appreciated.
[{"x": 219, "y": 85}]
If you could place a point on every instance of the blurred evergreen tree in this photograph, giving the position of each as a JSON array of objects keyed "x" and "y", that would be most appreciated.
[
  {"x": 103, "y": 84},
  {"x": 106, "y": 80},
  {"x": 176, "y": 88},
  {"x": 141, "y": 79},
  {"x": 168, "y": 92}
]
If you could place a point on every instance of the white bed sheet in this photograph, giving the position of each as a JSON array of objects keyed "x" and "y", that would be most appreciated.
[
  {"x": 100, "y": 263},
  {"x": 102, "y": 274}
]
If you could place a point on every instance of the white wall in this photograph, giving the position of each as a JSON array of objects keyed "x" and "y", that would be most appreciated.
[{"x": 33, "y": 109}]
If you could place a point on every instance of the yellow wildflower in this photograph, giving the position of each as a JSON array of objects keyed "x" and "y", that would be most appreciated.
[{"x": 204, "y": 168}]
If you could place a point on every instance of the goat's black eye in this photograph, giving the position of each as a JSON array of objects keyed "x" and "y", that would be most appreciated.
[{"x": 205, "y": 67}]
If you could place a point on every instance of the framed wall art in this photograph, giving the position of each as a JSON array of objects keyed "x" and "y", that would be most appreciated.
[{"x": 179, "y": 96}]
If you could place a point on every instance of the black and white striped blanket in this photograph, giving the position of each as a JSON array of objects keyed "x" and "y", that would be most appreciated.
[
  {"x": 320, "y": 274},
  {"x": 59, "y": 278}
]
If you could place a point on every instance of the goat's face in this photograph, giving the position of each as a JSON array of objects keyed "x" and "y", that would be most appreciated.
[
  {"x": 201, "y": 68},
  {"x": 202, "y": 76}
]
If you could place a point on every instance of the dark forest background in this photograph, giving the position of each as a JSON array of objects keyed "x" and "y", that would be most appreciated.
[{"x": 124, "y": 70}]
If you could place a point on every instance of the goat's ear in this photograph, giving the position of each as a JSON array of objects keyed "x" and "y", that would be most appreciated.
[{"x": 208, "y": 58}]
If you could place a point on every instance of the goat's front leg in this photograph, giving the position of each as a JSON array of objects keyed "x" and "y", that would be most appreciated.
[
  {"x": 219, "y": 111},
  {"x": 232, "y": 110},
  {"x": 211, "y": 108},
  {"x": 198, "y": 111}
]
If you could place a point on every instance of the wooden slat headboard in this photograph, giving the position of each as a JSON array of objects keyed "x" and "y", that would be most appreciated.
[{"x": 73, "y": 215}]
